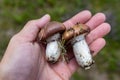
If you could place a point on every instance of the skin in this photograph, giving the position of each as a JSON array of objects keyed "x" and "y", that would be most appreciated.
[{"x": 24, "y": 57}]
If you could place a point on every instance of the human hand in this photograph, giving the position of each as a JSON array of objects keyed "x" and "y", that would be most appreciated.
[{"x": 24, "y": 57}]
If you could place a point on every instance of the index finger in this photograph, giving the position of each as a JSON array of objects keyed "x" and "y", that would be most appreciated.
[{"x": 81, "y": 17}]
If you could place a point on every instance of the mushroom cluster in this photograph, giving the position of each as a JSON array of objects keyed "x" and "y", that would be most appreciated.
[{"x": 56, "y": 36}]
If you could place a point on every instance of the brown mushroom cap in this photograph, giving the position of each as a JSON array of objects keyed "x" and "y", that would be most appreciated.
[
  {"x": 75, "y": 31},
  {"x": 50, "y": 29}
]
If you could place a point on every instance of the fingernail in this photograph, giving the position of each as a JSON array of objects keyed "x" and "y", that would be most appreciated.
[{"x": 46, "y": 16}]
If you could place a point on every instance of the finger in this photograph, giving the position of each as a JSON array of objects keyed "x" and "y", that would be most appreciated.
[
  {"x": 96, "y": 20},
  {"x": 97, "y": 45},
  {"x": 98, "y": 32},
  {"x": 31, "y": 29},
  {"x": 81, "y": 17}
]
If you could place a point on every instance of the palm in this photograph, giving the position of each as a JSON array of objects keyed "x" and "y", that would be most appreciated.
[{"x": 41, "y": 68}]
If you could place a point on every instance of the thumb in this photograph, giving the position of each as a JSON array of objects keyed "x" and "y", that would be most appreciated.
[{"x": 31, "y": 29}]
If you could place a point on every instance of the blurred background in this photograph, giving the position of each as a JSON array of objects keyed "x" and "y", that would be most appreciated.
[{"x": 15, "y": 13}]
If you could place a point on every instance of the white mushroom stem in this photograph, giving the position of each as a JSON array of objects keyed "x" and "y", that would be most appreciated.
[
  {"x": 82, "y": 52},
  {"x": 53, "y": 50}
]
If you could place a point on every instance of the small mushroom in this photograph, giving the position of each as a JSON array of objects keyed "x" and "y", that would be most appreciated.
[
  {"x": 51, "y": 34},
  {"x": 76, "y": 36}
]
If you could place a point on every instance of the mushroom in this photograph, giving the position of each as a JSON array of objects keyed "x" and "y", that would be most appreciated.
[
  {"x": 76, "y": 36},
  {"x": 51, "y": 34}
]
